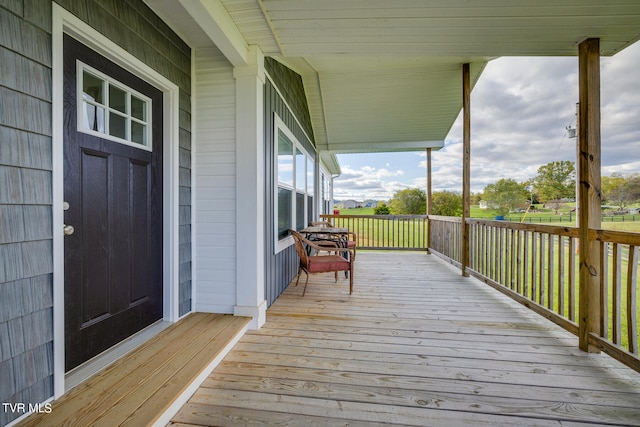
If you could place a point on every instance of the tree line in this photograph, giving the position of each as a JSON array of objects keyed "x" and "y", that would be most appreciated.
[{"x": 554, "y": 184}]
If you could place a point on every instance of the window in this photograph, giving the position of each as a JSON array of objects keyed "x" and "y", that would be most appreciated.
[
  {"x": 295, "y": 185},
  {"x": 325, "y": 188},
  {"x": 111, "y": 110}
]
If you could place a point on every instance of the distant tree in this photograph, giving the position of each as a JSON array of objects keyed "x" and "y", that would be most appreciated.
[
  {"x": 633, "y": 188},
  {"x": 411, "y": 201},
  {"x": 612, "y": 189},
  {"x": 446, "y": 203},
  {"x": 620, "y": 190},
  {"x": 556, "y": 181},
  {"x": 505, "y": 195},
  {"x": 381, "y": 209},
  {"x": 475, "y": 198}
]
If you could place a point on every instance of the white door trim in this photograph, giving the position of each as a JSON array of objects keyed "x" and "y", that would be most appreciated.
[{"x": 65, "y": 22}]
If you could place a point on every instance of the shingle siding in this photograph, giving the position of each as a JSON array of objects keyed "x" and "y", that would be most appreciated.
[{"x": 26, "y": 257}]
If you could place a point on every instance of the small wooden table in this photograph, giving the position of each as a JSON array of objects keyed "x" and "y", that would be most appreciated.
[{"x": 333, "y": 231}]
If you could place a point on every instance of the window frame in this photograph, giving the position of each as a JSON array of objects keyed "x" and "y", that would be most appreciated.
[
  {"x": 81, "y": 67},
  {"x": 279, "y": 126},
  {"x": 325, "y": 199}
]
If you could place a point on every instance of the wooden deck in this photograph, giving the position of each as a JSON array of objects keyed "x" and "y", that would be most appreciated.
[
  {"x": 416, "y": 344},
  {"x": 144, "y": 385}
]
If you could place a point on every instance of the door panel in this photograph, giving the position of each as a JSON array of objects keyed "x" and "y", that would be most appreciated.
[{"x": 113, "y": 260}]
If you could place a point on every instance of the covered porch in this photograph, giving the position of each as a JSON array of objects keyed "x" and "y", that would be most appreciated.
[{"x": 416, "y": 344}]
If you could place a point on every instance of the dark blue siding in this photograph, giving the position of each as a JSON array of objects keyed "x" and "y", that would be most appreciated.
[{"x": 282, "y": 267}]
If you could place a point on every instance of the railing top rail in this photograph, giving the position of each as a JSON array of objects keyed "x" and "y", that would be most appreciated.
[
  {"x": 621, "y": 237},
  {"x": 445, "y": 218},
  {"x": 540, "y": 228}
]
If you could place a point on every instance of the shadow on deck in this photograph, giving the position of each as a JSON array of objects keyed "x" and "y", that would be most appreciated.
[{"x": 416, "y": 344}]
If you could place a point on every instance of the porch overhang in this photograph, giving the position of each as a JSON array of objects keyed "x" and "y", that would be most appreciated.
[{"x": 386, "y": 76}]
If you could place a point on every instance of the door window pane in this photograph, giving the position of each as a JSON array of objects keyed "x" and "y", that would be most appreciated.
[
  {"x": 92, "y": 88},
  {"x": 117, "y": 125},
  {"x": 138, "y": 133},
  {"x": 117, "y": 99},
  {"x": 138, "y": 108},
  {"x": 93, "y": 117}
]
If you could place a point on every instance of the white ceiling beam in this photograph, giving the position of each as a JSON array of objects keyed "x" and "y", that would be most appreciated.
[{"x": 214, "y": 20}]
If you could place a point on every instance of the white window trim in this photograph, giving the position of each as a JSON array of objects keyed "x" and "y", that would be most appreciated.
[
  {"x": 64, "y": 22},
  {"x": 80, "y": 68},
  {"x": 279, "y": 125},
  {"x": 321, "y": 197}
]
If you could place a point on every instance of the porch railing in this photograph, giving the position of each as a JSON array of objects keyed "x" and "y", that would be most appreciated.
[
  {"x": 446, "y": 237},
  {"x": 538, "y": 265},
  {"x": 385, "y": 232}
]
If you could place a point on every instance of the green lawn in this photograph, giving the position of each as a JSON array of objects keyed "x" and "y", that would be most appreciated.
[{"x": 628, "y": 223}]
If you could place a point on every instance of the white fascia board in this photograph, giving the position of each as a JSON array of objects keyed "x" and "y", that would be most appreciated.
[
  {"x": 373, "y": 147},
  {"x": 330, "y": 162},
  {"x": 214, "y": 20}
]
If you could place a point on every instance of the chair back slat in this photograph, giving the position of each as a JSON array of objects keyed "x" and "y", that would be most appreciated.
[{"x": 300, "y": 249}]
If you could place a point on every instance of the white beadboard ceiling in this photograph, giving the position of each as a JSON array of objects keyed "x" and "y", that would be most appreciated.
[{"x": 386, "y": 75}]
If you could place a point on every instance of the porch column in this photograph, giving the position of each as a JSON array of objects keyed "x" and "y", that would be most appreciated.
[
  {"x": 589, "y": 189},
  {"x": 466, "y": 165},
  {"x": 429, "y": 199},
  {"x": 250, "y": 294}
]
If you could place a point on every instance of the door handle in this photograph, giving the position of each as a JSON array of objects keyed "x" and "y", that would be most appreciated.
[{"x": 68, "y": 230}]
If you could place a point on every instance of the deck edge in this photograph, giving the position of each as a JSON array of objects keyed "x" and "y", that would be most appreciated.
[{"x": 184, "y": 397}]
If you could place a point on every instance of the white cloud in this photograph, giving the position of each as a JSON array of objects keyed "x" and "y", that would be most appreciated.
[
  {"x": 367, "y": 182},
  {"x": 520, "y": 108}
]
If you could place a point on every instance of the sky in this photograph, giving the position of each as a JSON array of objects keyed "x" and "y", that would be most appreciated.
[{"x": 520, "y": 109}]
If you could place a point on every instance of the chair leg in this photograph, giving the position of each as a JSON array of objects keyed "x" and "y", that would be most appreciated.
[
  {"x": 351, "y": 278},
  {"x": 306, "y": 282},
  {"x": 298, "y": 279}
]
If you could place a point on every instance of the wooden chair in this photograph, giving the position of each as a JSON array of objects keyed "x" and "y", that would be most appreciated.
[{"x": 319, "y": 263}]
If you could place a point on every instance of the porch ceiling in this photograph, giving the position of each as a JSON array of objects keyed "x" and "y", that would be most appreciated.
[{"x": 386, "y": 76}]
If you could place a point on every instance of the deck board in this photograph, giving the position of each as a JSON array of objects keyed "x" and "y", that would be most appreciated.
[
  {"x": 416, "y": 344},
  {"x": 138, "y": 388}
]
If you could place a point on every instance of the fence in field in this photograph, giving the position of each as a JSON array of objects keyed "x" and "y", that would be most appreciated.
[{"x": 385, "y": 232}]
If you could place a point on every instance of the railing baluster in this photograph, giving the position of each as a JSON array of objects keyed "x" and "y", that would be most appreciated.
[
  {"x": 604, "y": 289},
  {"x": 632, "y": 321},
  {"x": 525, "y": 261},
  {"x": 561, "y": 282},
  {"x": 572, "y": 279},
  {"x": 616, "y": 315},
  {"x": 550, "y": 272}
]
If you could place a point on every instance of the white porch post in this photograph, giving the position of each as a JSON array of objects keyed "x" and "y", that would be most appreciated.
[{"x": 250, "y": 239}]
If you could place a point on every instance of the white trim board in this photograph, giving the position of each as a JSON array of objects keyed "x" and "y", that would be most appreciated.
[{"x": 64, "y": 22}]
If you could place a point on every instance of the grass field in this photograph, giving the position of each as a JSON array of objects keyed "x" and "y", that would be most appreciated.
[{"x": 628, "y": 223}]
